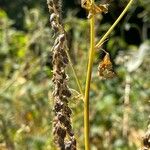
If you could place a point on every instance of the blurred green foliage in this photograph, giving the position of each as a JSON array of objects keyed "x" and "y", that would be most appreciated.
[{"x": 26, "y": 101}]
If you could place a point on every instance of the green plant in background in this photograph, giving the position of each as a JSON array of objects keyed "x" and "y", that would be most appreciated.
[
  {"x": 25, "y": 70},
  {"x": 21, "y": 84}
]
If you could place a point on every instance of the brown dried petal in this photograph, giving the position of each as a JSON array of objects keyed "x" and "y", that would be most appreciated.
[
  {"x": 50, "y": 3},
  {"x": 68, "y": 145},
  {"x": 70, "y": 131},
  {"x": 54, "y": 26},
  {"x": 62, "y": 38},
  {"x": 66, "y": 92},
  {"x": 61, "y": 143},
  {"x": 61, "y": 132},
  {"x": 58, "y": 106},
  {"x": 74, "y": 141},
  {"x": 61, "y": 117},
  {"x": 64, "y": 99},
  {"x": 67, "y": 111},
  {"x": 53, "y": 17},
  {"x": 146, "y": 139}
]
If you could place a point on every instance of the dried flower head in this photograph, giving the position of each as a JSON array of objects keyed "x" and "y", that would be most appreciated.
[
  {"x": 105, "y": 68},
  {"x": 94, "y": 9}
]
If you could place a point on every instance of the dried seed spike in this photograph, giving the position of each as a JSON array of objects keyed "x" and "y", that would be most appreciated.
[{"x": 62, "y": 123}]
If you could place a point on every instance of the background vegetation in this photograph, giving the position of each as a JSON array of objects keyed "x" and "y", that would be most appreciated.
[{"x": 26, "y": 101}]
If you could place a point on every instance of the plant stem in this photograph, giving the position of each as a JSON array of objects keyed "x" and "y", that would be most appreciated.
[
  {"x": 88, "y": 80},
  {"x": 89, "y": 71},
  {"x": 113, "y": 26},
  {"x": 126, "y": 110},
  {"x": 75, "y": 75}
]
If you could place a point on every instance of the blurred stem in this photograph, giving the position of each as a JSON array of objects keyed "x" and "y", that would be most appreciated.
[
  {"x": 75, "y": 75},
  {"x": 113, "y": 26},
  {"x": 88, "y": 80},
  {"x": 3, "y": 126},
  {"x": 126, "y": 107}
]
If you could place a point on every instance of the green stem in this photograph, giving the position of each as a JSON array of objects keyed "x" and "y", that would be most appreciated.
[
  {"x": 75, "y": 75},
  {"x": 88, "y": 80},
  {"x": 89, "y": 71},
  {"x": 113, "y": 26}
]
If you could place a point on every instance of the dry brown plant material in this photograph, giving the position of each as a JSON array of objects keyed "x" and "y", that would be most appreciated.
[
  {"x": 62, "y": 129},
  {"x": 146, "y": 140}
]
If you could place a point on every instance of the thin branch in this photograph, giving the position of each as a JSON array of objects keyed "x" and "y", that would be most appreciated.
[
  {"x": 75, "y": 74},
  {"x": 113, "y": 26},
  {"x": 126, "y": 107}
]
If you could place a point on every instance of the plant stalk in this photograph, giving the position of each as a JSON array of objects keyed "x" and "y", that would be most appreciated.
[
  {"x": 88, "y": 80},
  {"x": 126, "y": 110},
  {"x": 75, "y": 75},
  {"x": 113, "y": 26},
  {"x": 89, "y": 70}
]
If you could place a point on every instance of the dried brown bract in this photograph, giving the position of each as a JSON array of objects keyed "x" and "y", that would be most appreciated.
[
  {"x": 146, "y": 140},
  {"x": 105, "y": 68},
  {"x": 94, "y": 9}
]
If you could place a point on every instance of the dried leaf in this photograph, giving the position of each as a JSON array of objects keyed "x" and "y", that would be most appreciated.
[
  {"x": 105, "y": 68},
  {"x": 94, "y": 9}
]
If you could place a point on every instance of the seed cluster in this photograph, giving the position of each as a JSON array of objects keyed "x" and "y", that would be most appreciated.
[{"x": 63, "y": 133}]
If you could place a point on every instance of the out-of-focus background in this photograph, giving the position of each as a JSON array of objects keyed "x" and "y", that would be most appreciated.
[{"x": 26, "y": 99}]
